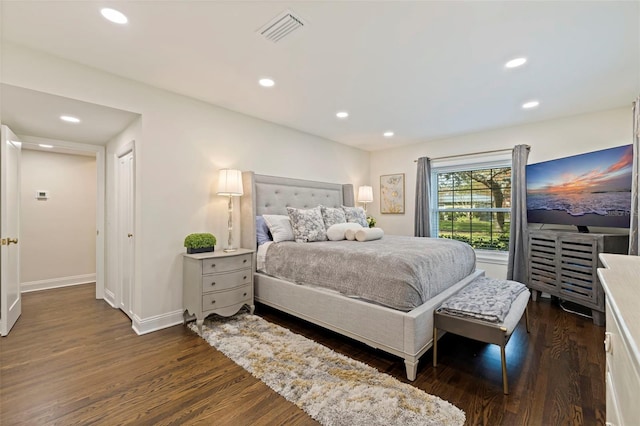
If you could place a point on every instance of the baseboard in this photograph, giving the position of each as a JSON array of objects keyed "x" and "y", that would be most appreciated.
[
  {"x": 155, "y": 323},
  {"x": 109, "y": 297},
  {"x": 29, "y": 286}
]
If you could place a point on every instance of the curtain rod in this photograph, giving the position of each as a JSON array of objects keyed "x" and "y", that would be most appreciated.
[{"x": 473, "y": 153}]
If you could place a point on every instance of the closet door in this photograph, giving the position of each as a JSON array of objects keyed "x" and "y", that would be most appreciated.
[{"x": 125, "y": 237}]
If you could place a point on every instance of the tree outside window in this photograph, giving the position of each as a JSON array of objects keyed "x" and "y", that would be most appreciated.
[{"x": 474, "y": 206}]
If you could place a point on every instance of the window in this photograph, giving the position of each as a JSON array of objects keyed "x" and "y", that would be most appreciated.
[{"x": 472, "y": 203}]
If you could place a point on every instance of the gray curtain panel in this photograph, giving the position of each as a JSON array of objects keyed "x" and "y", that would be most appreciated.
[
  {"x": 634, "y": 243},
  {"x": 517, "y": 265},
  {"x": 422, "y": 226}
]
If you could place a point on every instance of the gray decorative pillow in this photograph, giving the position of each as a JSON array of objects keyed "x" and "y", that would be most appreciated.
[
  {"x": 356, "y": 215},
  {"x": 307, "y": 224},
  {"x": 280, "y": 227},
  {"x": 332, "y": 215}
]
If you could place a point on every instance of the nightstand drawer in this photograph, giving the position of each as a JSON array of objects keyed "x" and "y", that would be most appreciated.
[
  {"x": 216, "y": 282},
  {"x": 221, "y": 299},
  {"x": 224, "y": 264}
]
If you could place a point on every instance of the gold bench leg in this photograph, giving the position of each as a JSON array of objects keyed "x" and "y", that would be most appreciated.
[
  {"x": 435, "y": 347},
  {"x": 505, "y": 383}
]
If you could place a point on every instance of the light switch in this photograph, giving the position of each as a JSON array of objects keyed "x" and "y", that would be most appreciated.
[{"x": 42, "y": 195}]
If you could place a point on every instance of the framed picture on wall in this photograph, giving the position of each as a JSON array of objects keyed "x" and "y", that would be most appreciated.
[{"x": 392, "y": 194}]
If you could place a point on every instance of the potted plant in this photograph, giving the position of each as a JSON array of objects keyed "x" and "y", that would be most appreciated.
[
  {"x": 371, "y": 221},
  {"x": 200, "y": 243}
]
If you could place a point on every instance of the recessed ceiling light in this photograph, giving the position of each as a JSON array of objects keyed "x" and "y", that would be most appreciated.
[
  {"x": 388, "y": 134},
  {"x": 530, "y": 104},
  {"x": 69, "y": 119},
  {"x": 342, "y": 114},
  {"x": 43, "y": 145},
  {"x": 266, "y": 82},
  {"x": 114, "y": 16},
  {"x": 517, "y": 62}
]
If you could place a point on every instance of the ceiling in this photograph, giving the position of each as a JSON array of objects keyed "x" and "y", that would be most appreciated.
[
  {"x": 28, "y": 112},
  {"x": 425, "y": 70}
]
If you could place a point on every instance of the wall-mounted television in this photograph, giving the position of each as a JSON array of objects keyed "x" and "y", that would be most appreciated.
[{"x": 591, "y": 189}]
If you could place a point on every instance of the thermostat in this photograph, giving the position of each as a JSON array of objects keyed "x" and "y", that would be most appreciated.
[{"x": 42, "y": 195}]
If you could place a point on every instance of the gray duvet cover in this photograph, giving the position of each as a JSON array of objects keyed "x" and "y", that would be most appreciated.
[{"x": 396, "y": 271}]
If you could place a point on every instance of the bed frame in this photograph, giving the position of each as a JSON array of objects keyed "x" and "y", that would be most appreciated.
[{"x": 405, "y": 334}]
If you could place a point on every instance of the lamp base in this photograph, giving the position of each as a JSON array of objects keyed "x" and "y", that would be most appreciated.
[{"x": 230, "y": 249}]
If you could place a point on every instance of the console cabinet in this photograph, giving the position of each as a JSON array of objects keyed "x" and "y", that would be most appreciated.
[{"x": 565, "y": 264}]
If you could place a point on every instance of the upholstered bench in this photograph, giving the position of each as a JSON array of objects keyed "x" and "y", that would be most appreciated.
[{"x": 487, "y": 310}]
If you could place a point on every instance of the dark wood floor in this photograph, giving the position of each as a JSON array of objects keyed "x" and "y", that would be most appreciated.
[{"x": 72, "y": 359}]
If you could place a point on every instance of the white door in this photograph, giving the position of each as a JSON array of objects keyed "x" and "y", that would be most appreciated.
[
  {"x": 10, "y": 302},
  {"x": 125, "y": 236}
]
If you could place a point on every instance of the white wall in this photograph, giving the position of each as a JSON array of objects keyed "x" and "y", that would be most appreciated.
[
  {"x": 548, "y": 140},
  {"x": 182, "y": 143},
  {"x": 58, "y": 235}
]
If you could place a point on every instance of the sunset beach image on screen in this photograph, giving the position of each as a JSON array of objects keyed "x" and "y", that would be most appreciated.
[{"x": 592, "y": 189}]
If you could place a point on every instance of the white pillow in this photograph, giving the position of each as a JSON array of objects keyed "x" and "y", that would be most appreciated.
[
  {"x": 279, "y": 226},
  {"x": 350, "y": 234},
  {"x": 369, "y": 234},
  {"x": 337, "y": 232}
]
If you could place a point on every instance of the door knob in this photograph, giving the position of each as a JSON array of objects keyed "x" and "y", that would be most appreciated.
[
  {"x": 12, "y": 241},
  {"x": 129, "y": 235}
]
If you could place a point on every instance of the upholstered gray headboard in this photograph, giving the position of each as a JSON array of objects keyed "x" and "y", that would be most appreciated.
[{"x": 272, "y": 195}]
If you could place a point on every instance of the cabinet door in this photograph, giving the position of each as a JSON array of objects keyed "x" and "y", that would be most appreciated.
[
  {"x": 578, "y": 267},
  {"x": 542, "y": 262}
]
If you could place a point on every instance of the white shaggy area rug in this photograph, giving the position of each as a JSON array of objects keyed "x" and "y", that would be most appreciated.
[{"x": 330, "y": 387}]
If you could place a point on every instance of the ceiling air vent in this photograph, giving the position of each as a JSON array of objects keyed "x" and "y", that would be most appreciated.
[{"x": 281, "y": 26}]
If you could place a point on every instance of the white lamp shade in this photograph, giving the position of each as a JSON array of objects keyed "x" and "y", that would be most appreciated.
[
  {"x": 365, "y": 194},
  {"x": 230, "y": 182}
]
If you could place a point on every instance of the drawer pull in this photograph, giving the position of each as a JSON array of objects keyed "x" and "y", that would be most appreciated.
[
  {"x": 213, "y": 265},
  {"x": 213, "y": 283},
  {"x": 607, "y": 343},
  {"x": 244, "y": 294},
  {"x": 244, "y": 261},
  {"x": 213, "y": 302},
  {"x": 244, "y": 278}
]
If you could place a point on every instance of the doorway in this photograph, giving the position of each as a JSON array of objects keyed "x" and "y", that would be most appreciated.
[
  {"x": 58, "y": 219},
  {"x": 97, "y": 185}
]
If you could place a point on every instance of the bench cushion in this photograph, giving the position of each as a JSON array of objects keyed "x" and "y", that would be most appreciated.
[
  {"x": 515, "y": 313},
  {"x": 485, "y": 299}
]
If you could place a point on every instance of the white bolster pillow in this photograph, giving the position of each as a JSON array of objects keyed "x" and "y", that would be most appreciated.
[
  {"x": 350, "y": 234},
  {"x": 369, "y": 234},
  {"x": 337, "y": 231}
]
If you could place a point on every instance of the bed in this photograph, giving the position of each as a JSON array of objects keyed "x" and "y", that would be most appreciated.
[{"x": 407, "y": 334}]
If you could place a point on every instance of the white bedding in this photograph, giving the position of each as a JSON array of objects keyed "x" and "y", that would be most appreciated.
[{"x": 261, "y": 255}]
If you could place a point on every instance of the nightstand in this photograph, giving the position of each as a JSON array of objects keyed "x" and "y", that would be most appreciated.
[{"x": 217, "y": 283}]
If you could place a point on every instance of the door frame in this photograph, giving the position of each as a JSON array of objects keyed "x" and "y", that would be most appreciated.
[{"x": 99, "y": 152}]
